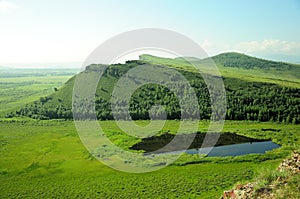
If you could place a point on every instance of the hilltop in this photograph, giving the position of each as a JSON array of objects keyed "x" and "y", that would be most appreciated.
[
  {"x": 233, "y": 59},
  {"x": 238, "y": 65}
]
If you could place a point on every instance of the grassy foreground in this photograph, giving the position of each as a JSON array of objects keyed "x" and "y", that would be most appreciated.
[{"x": 46, "y": 159}]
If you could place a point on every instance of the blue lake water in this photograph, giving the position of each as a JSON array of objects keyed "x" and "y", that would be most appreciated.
[{"x": 234, "y": 149}]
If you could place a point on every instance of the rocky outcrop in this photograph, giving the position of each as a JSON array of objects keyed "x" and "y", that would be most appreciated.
[
  {"x": 292, "y": 164},
  {"x": 248, "y": 191}
]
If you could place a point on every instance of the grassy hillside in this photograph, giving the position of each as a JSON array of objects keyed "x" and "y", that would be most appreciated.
[
  {"x": 241, "y": 66},
  {"x": 250, "y": 95}
]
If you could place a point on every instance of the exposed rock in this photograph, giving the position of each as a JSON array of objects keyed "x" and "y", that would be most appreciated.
[
  {"x": 240, "y": 191},
  {"x": 229, "y": 194},
  {"x": 247, "y": 191},
  {"x": 292, "y": 164}
]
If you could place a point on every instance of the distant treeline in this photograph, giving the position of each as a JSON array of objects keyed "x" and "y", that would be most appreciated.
[
  {"x": 33, "y": 72},
  {"x": 37, "y": 74}
]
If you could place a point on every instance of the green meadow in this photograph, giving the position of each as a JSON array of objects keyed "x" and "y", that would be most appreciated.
[{"x": 46, "y": 159}]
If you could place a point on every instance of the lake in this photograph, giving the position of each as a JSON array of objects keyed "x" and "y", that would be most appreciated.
[{"x": 233, "y": 149}]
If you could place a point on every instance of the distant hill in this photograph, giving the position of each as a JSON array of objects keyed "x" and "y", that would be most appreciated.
[
  {"x": 233, "y": 59},
  {"x": 237, "y": 65},
  {"x": 229, "y": 59},
  {"x": 256, "y": 89}
]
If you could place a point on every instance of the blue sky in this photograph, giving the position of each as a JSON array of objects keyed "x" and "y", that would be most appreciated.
[{"x": 35, "y": 31}]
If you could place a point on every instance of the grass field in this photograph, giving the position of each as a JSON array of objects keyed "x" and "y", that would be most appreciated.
[
  {"x": 22, "y": 86},
  {"x": 46, "y": 159}
]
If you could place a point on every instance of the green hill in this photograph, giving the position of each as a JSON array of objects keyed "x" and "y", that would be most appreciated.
[
  {"x": 239, "y": 60},
  {"x": 241, "y": 66},
  {"x": 256, "y": 89}
]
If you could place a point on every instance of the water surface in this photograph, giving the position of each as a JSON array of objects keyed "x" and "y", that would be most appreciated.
[{"x": 233, "y": 149}]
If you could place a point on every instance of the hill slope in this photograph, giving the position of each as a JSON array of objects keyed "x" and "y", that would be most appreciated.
[
  {"x": 241, "y": 66},
  {"x": 250, "y": 96}
]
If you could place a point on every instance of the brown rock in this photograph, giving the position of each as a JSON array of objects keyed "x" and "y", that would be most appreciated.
[
  {"x": 239, "y": 186},
  {"x": 229, "y": 194}
]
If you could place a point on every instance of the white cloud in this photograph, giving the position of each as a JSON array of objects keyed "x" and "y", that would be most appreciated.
[
  {"x": 6, "y": 6},
  {"x": 269, "y": 46}
]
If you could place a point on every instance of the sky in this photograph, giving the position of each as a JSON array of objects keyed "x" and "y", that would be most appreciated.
[{"x": 40, "y": 33}]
